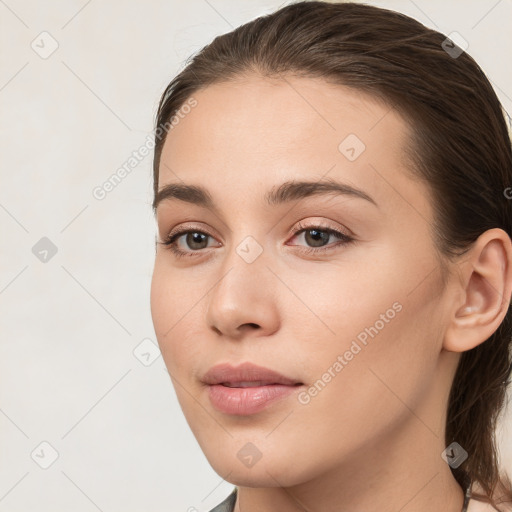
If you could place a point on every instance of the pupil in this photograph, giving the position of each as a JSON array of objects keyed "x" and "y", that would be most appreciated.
[
  {"x": 194, "y": 239},
  {"x": 323, "y": 236}
]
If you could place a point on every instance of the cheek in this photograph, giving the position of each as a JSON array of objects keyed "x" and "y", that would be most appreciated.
[
  {"x": 381, "y": 317},
  {"x": 371, "y": 391},
  {"x": 173, "y": 306},
  {"x": 334, "y": 303},
  {"x": 161, "y": 301}
]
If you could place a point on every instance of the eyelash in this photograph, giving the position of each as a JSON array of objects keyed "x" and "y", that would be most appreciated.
[{"x": 345, "y": 239}]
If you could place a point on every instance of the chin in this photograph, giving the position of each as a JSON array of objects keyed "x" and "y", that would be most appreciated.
[
  {"x": 268, "y": 471},
  {"x": 262, "y": 477}
]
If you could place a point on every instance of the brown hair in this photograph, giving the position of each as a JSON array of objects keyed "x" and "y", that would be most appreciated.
[{"x": 459, "y": 146}]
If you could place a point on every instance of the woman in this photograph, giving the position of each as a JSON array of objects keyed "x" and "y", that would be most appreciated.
[{"x": 333, "y": 271}]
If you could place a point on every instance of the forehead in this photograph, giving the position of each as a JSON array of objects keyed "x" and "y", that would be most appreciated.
[
  {"x": 291, "y": 110},
  {"x": 254, "y": 132}
]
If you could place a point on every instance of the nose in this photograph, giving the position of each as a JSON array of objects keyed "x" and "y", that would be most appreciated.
[{"x": 244, "y": 298}]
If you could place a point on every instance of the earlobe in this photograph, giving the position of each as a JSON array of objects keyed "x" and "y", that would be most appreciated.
[{"x": 486, "y": 284}]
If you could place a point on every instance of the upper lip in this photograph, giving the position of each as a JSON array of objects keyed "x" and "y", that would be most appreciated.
[{"x": 245, "y": 372}]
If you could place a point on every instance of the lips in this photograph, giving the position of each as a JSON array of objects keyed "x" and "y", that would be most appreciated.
[
  {"x": 247, "y": 389},
  {"x": 247, "y": 384},
  {"x": 246, "y": 375}
]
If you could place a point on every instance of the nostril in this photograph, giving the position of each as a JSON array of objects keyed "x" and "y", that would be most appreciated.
[{"x": 253, "y": 325}]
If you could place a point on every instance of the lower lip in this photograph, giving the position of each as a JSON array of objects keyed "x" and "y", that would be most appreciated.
[{"x": 246, "y": 401}]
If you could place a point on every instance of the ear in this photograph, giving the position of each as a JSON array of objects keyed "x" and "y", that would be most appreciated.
[{"x": 485, "y": 288}]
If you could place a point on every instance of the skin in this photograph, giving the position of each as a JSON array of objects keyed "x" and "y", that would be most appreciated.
[{"x": 372, "y": 438}]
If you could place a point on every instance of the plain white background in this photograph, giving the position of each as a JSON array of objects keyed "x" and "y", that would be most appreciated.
[{"x": 75, "y": 309}]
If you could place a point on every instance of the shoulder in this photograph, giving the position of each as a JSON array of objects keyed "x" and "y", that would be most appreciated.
[
  {"x": 228, "y": 505},
  {"x": 481, "y": 506}
]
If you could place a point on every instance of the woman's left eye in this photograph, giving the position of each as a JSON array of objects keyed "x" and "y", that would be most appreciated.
[
  {"x": 319, "y": 234},
  {"x": 316, "y": 235}
]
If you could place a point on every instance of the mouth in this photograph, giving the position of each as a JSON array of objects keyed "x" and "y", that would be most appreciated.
[
  {"x": 255, "y": 384},
  {"x": 247, "y": 389},
  {"x": 246, "y": 375},
  {"x": 243, "y": 400}
]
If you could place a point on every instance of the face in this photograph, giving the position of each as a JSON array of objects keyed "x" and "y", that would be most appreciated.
[{"x": 340, "y": 292}]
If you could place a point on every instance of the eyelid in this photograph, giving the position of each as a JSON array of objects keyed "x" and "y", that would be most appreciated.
[
  {"x": 320, "y": 222},
  {"x": 191, "y": 226},
  {"x": 313, "y": 223}
]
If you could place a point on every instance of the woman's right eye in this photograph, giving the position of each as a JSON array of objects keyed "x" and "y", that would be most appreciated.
[{"x": 193, "y": 238}]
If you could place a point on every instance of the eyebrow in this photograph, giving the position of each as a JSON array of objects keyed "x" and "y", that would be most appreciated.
[{"x": 285, "y": 192}]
